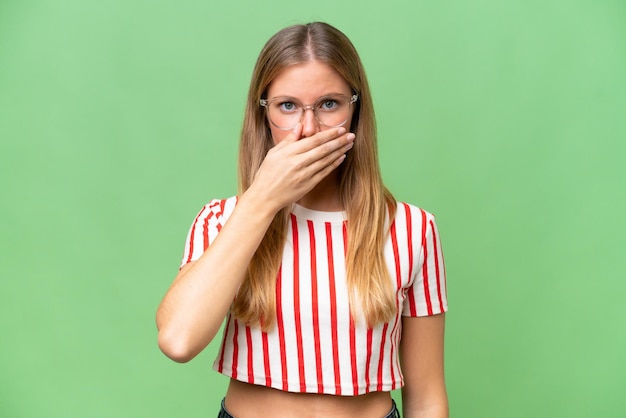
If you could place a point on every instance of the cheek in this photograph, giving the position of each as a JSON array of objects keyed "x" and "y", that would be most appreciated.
[
  {"x": 348, "y": 124},
  {"x": 278, "y": 134}
]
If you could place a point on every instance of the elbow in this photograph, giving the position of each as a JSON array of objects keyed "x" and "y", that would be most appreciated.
[
  {"x": 183, "y": 346},
  {"x": 182, "y": 339},
  {"x": 176, "y": 347}
]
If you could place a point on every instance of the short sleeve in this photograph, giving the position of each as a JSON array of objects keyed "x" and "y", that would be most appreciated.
[
  {"x": 427, "y": 294},
  {"x": 205, "y": 228}
]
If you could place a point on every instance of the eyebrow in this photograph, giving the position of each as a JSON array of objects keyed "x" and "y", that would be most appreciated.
[{"x": 295, "y": 98}]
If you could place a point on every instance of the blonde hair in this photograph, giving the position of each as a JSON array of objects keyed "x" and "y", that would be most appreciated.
[{"x": 363, "y": 195}]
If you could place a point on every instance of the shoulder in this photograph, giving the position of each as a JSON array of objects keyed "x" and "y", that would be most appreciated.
[
  {"x": 415, "y": 224},
  {"x": 220, "y": 208},
  {"x": 205, "y": 227},
  {"x": 223, "y": 204},
  {"x": 215, "y": 213},
  {"x": 412, "y": 215}
]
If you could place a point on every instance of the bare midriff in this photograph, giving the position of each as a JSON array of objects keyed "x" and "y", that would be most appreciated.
[{"x": 244, "y": 400}]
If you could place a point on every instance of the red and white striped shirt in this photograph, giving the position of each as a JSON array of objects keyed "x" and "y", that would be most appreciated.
[{"x": 316, "y": 346}]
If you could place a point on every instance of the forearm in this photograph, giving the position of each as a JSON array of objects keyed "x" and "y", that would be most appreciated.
[
  {"x": 194, "y": 307},
  {"x": 436, "y": 408},
  {"x": 424, "y": 393}
]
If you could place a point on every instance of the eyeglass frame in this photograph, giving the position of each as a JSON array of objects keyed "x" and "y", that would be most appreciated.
[{"x": 265, "y": 102}]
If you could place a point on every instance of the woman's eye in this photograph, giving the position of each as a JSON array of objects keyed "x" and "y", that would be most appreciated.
[
  {"x": 329, "y": 104},
  {"x": 287, "y": 106}
]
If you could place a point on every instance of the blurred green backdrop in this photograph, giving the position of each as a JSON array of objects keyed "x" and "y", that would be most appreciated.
[{"x": 119, "y": 119}]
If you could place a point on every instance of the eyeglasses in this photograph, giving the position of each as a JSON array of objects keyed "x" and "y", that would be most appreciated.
[{"x": 331, "y": 111}]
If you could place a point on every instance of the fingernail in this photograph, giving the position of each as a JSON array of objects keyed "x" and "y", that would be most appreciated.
[
  {"x": 341, "y": 131},
  {"x": 350, "y": 136}
]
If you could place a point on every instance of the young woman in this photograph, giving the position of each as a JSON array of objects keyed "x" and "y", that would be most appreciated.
[{"x": 334, "y": 294}]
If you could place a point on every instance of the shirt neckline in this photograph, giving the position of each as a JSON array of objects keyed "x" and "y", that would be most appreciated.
[{"x": 318, "y": 215}]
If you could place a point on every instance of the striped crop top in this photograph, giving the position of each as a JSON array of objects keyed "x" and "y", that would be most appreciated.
[{"x": 316, "y": 346}]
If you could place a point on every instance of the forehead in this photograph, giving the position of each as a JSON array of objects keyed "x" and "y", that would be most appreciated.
[{"x": 308, "y": 81}]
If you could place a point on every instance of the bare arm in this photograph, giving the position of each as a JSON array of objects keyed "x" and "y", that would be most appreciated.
[
  {"x": 421, "y": 354},
  {"x": 195, "y": 305},
  {"x": 199, "y": 298}
]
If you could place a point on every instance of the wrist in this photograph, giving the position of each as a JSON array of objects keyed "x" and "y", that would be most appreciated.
[{"x": 260, "y": 203}]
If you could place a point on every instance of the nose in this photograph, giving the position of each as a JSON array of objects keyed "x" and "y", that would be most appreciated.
[{"x": 310, "y": 125}]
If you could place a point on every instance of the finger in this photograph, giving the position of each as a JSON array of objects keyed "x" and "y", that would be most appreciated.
[
  {"x": 325, "y": 160},
  {"x": 330, "y": 165},
  {"x": 327, "y": 135},
  {"x": 319, "y": 139},
  {"x": 325, "y": 151}
]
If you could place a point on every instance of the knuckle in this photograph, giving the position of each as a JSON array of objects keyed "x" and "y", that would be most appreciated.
[
  {"x": 319, "y": 141},
  {"x": 324, "y": 136},
  {"x": 327, "y": 148},
  {"x": 299, "y": 166}
]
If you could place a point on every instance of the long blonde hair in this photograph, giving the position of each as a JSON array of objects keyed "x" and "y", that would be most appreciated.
[{"x": 364, "y": 197}]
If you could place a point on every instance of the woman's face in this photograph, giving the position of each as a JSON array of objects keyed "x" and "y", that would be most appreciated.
[{"x": 307, "y": 83}]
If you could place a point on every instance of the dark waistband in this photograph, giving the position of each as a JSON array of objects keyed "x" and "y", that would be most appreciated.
[{"x": 393, "y": 413}]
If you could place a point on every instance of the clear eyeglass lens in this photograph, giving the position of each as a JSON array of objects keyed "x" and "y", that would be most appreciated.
[{"x": 329, "y": 111}]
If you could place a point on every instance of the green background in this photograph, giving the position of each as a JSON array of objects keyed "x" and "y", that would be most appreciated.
[{"x": 119, "y": 119}]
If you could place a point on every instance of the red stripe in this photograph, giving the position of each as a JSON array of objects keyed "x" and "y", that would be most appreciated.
[
  {"x": 345, "y": 238},
  {"x": 409, "y": 230},
  {"x": 429, "y": 305},
  {"x": 220, "y": 367},
  {"x": 412, "y": 302},
  {"x": 333, "y": 307},
  {"x": 370, "y": 331},
  {"x": 315, "y": 310},
  {"x": 235, "y": 350},
  {"x": 443, "y": 261},
  {"x": 381, "y": 358},
  {"x": 296, "y": 301},
  {"x": 396, "y": 254},
  {"x": 394, "y": 329},
  {"x": 435, "y": 247},
  {"x": 355, "y": 371},
  {"x": 281, "y": 329},
  {"x": 205, "y": 230},
  {"x": 220, "y": 214},
  {"x": 192, "y": 235},
  {"x": 213, "y": 213},
  {"x": 250, "y": 357},
  {"x": 266, "y": 361},
  {"x": 355, "y": 375}
]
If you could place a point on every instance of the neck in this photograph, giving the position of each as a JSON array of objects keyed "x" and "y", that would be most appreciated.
[{"x": 324, "y": 196}]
